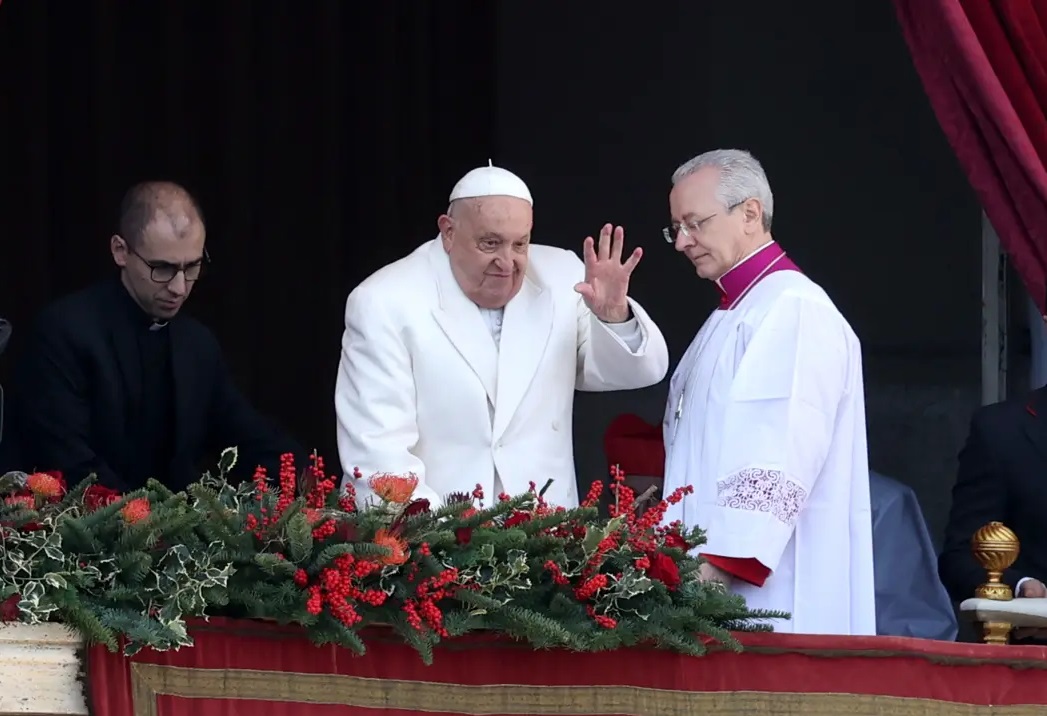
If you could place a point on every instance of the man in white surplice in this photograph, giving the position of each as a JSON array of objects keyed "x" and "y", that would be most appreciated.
[
  {"x": 460, "y": 361},
  {"x": 766, "y": 414}
]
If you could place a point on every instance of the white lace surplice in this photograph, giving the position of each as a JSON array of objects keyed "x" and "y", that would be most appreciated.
[{"x": 766, "y": 420}]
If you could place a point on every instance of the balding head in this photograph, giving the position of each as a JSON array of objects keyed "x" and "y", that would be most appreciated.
[
  {"x": 160, "y": 247},
  {"x": 157, "y": 202}
]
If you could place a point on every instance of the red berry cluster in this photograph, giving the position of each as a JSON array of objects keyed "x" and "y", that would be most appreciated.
[
  {"x": 324, "y": 530},
  {"x": 624, "y": 497},
  {"x": 348, "y": 499},
  {"x": 644, "y": 533},
  {"x": 421, "y": 610},
  {"x": 601, "y": 619},
  {"x": 607, "y": 544},
  {"x": 288, "y": 482},
  {"x": 592, "y": 498},
  {"x": 518, "y": 517},
  {"x": 671, "y": 535},
  {"x": 338, "y": 589},
  {"x": 574, "y": 528},
  {"x": 590, "y": 587},
  {"x": 252, "y": 523},
  {"x": 557, "y": 574},
  {"x": 261, "y": 483},
  {"x": 322, "y": 485},
  {"x": 542, "y": 508}
]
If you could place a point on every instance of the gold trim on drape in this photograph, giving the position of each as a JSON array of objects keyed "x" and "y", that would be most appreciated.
[{"x": 150, "y": 680}]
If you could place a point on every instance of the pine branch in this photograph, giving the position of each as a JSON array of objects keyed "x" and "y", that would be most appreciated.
[{"x": 299, "y": 536}]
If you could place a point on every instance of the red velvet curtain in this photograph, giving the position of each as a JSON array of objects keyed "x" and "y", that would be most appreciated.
[{"x": 983, "y": 64}]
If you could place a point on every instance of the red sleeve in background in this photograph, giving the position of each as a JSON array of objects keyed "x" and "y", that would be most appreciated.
[{"x": 747, "y": 569}]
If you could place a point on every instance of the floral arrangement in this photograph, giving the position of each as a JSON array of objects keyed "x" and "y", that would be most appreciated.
[{"x": 128, "y": 570}]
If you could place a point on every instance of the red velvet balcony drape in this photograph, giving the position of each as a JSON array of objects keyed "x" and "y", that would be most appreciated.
[
  {"x": 245, "y": 668},
  {"x": 983, "y": 64}
]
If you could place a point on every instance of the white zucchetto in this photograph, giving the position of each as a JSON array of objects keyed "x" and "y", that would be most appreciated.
[{"x": 491, "y": 181}]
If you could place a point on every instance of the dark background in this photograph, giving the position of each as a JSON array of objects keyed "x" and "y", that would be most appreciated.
[{"x": 323, "y": 137}]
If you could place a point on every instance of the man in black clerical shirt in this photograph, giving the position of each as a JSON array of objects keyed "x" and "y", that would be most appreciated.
[{"x": 115, "y": 380}]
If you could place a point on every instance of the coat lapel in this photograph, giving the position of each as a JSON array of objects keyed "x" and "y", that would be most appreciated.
[
  {"x": 464, "y": 326},
  {"x": 526, "y": 328}
]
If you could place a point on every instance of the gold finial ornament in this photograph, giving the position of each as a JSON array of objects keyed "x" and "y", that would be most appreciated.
[{"x": 996, "y": 548}]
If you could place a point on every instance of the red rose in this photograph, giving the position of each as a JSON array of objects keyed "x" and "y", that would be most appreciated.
[
  {"x": 96, "y": 496},
  {"x": 9, "y": 608},
  {"x": 664, "y": 569},
  {"x": 674, "y": 540},
  {"x": 517, "y": 518},
  {"x": 345, "y": 531},
  {"x": 463, "y": 535},
  {"x": 416, "y": 507}
]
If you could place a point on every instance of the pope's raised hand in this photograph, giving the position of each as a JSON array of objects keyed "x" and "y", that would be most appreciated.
[{"x": 606, "y": 283}]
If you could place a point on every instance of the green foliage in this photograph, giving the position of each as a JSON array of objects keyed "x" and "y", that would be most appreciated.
[
  {"x": 128, "y": 570},
  {"x": 122, "y": 578}
]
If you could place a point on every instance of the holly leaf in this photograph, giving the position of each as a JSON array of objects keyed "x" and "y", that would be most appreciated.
[
  {"x": 594, "y": 536},
  {"x": 56, "y": 580},
  {"x": 227, "y": 460}
]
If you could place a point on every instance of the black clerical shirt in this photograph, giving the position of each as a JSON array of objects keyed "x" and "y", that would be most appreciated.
[{"x": 152, "y": 418}]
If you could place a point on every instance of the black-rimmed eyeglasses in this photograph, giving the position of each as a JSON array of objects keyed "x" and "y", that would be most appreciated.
[{"x": 164, "y": 272}]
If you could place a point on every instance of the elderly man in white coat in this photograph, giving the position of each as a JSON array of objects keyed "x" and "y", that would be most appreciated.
[
  {"x": 766, "y": 413},
  {"x": 460, "y": 361}
]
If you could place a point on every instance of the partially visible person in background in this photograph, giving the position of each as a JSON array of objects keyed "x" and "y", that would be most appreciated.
[
  {"x": 5, "y": 334},
  {"x": 1001, "y": 477},
  {"x": 115, "y": 380}
]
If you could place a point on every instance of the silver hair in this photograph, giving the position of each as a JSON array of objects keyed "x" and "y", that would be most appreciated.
[{"x": 741, "y": 177}]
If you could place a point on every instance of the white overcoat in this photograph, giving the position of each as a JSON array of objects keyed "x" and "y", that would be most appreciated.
[{"x": 422, "y": 387}]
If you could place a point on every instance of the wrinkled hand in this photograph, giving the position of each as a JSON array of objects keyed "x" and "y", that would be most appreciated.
[
  {"x": 606, "y": 283},
  {"x": 1033, "y": 589},
  {"x": 709, "y": 573}
]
